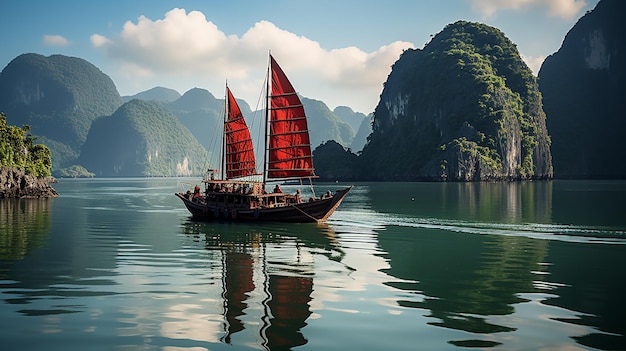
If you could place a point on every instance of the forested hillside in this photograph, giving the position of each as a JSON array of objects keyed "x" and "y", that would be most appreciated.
[
  {"x": 324, "y": 125},
  {"x": 142, "y": 139},
  {"x": 59, "y": 97},
  {"x": 333, "y": 162},
  {"x": 203, "y": 115},
  {"x": 18, "y": 150},
  {"x": 466, "y": 107},
  {"x": 157, "y": 93},
  {"x": 24, "y": 166}
]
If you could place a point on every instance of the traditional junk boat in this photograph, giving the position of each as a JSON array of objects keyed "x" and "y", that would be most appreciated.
[{"x": 241, "y": 195}]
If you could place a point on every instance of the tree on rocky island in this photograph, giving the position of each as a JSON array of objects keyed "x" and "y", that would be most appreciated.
[
  {"x": 24, "y": 165},
  {"x": 18, "y": 150},
  {"x": 333, "y": 162}
]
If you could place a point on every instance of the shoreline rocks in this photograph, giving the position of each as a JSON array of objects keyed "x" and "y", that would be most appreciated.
[{"x": 16, "y": 184}]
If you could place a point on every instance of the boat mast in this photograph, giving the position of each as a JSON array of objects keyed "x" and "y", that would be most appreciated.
[
  {"x": 223, "y": 153},
  {"x": 268, "y": 86}
]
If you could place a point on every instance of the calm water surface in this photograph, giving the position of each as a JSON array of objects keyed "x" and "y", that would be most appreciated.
[{"x": 116, "y": 264}]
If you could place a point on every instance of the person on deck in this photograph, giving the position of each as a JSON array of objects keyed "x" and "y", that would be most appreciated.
[
  {"x": 298, "y": 196},
  {"x": 277, "y": 189}
]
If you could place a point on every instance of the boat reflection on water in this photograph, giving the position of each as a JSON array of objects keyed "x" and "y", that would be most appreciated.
[{"x": 267, "y": 277}]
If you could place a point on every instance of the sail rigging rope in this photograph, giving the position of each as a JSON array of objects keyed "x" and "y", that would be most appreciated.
[{"x": 306, "y": 214}]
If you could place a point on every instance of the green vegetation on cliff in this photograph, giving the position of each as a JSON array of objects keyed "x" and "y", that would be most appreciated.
[
  {"x": 466, "y": 107},
  {"x": 59, "y": 97},
  {"x": 74, "y": 171},
  {"x": 142, "y": 139},
  {"x": 333, "y": 162},
  {"x": 202, "y": 114},
  {"x": 17, "y": 150},
  {"x": 162, "y": 94}
]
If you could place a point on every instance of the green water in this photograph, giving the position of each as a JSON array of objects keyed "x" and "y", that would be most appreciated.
[{"x": 116, "y": 264}]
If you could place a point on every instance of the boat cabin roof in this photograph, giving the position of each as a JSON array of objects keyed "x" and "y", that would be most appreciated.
[{"x": 230, "y": 181}]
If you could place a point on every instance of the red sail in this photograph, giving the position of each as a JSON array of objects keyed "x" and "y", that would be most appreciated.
[
  {"x": 239, "y": 148},
  {"x": 289, "y": 153}
]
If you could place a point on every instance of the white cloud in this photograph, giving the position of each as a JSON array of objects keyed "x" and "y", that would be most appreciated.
[
  {"x": 566, "y": 9},
  {"x": 187, "y": 47},
  {"x": 534, "y": 63},
  {"x": 55, "y": 40},
  {"x": 98, "y": 40}
]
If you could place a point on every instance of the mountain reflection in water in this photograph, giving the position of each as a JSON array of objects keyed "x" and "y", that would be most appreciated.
[
  {"x": 24, "y": 224},
  {"x": 118, "y": 264}
]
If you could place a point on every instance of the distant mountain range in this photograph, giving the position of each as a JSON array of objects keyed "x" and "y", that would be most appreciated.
[
  {"x": 202, "y": 113},
  {"x": 75, "y": 109},
  {"x": 156, "y": 93},
  {"x": 463, "y": 108}
]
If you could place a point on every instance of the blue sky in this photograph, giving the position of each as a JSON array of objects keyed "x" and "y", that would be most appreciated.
[{"x": 338, "y": 51}]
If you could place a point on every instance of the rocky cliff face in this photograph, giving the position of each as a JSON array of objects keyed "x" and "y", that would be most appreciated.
[
  {"x": 466, "y": 107},
  {"x": 583, "y": 87},
  {"x": 142, "y": 139},
  {"x": 59, "y": 97},
  {"x": 15, "y": 183}
]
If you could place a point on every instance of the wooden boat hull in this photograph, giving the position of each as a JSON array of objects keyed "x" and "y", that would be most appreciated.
[{"x": 314, "y": 211}]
